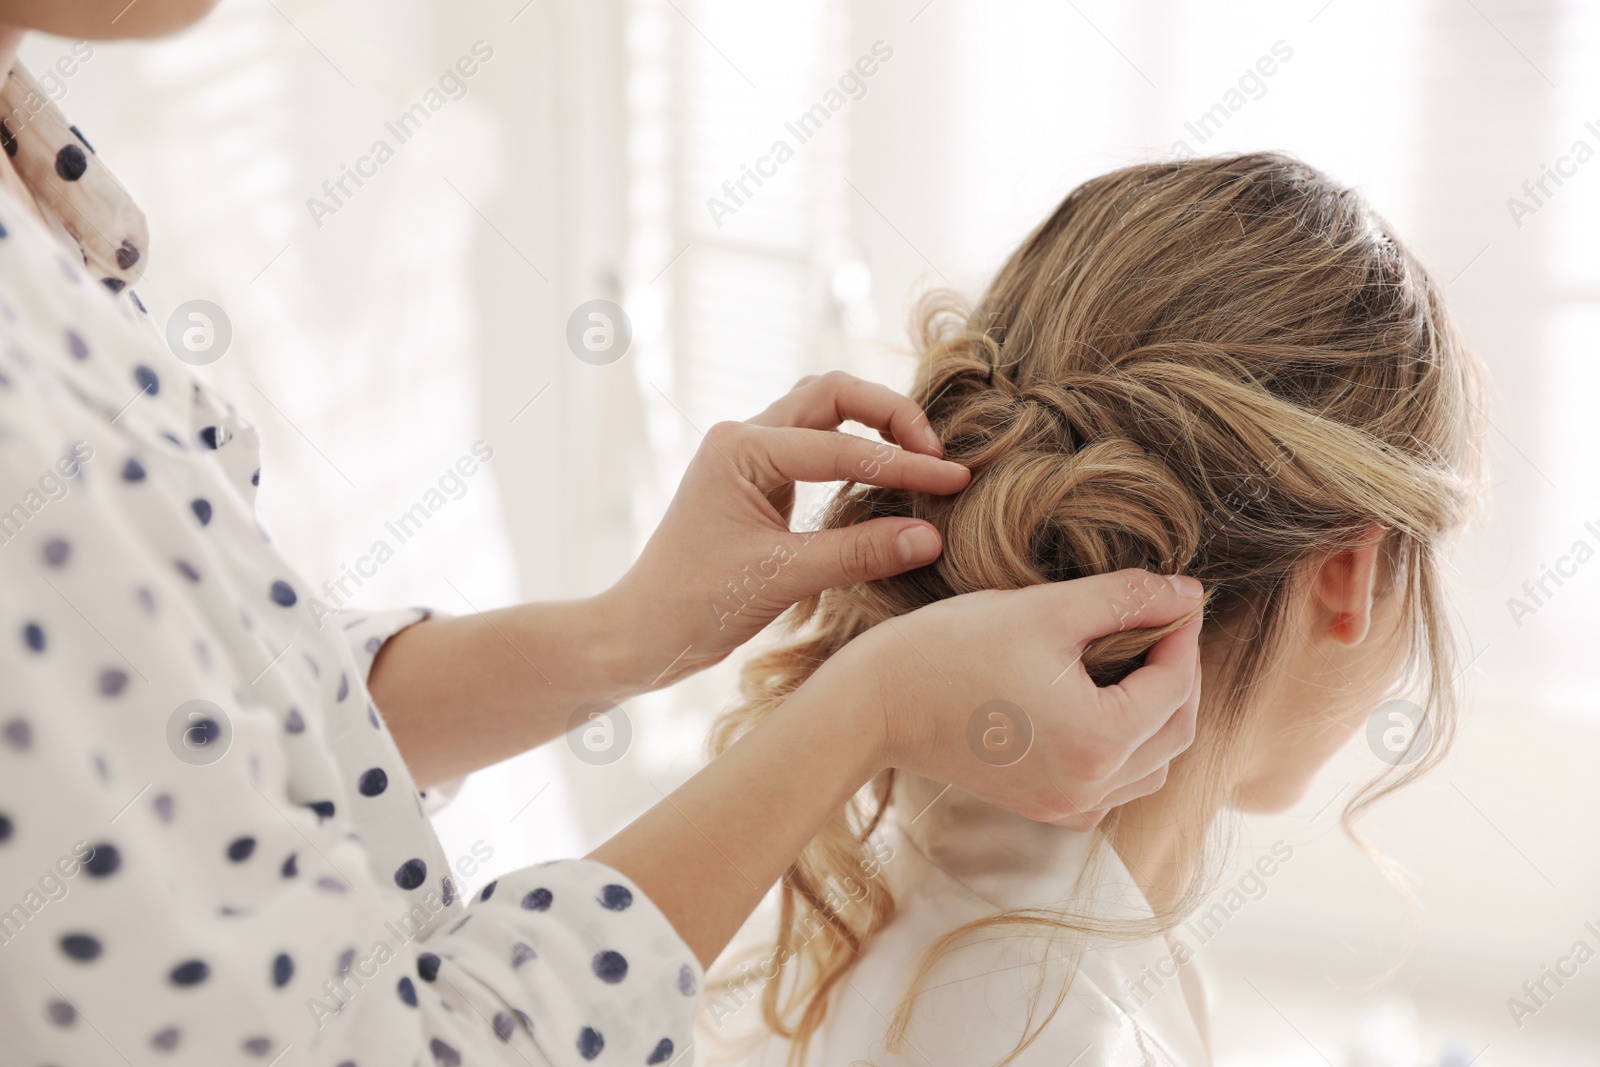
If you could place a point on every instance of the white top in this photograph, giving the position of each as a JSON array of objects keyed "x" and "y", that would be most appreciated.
[
  {"x": 250, "y": 878},
  {"x": 954, "y": 859}
]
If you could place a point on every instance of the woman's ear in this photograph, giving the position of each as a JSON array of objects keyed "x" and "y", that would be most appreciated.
[{"x": 1344, "y": 586}]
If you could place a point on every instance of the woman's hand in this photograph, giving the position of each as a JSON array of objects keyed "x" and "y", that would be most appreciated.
[
  {"x": 908, "y": 694},
  {"x": 988, "y": 691},
  {"x": 724, "y": 563}
]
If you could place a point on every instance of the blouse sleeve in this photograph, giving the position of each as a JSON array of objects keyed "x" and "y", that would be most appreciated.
[
  {"x": 365, "y": 633},
  {"x": 159, "y": 908}
]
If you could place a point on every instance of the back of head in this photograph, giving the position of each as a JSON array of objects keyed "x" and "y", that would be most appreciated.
[{"x": 1221, "y": 367}]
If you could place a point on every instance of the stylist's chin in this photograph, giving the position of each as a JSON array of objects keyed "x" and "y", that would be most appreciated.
[{"x": 104, "y": 20}]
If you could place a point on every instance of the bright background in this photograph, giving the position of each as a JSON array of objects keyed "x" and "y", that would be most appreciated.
[{"x": 430, "y": 312}]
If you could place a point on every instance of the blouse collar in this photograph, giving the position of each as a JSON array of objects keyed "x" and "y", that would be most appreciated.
[{"x": 76, "y": 191}]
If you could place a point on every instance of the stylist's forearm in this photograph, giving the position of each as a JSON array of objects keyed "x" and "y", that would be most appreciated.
[
  {"x": 708, "y": 852},
  {"x": 461, "y": 693}
]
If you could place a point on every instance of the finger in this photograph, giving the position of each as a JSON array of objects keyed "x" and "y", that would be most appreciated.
[
  {"x": 1150, "y": 783},
  {"x": 823, "y": 403},
  {"x": 1172, "y": 740},
  {"x": 771, "y": 456},
  {"x": 1125, "y": 600},
  {"x": 1145, "y": 700},
  {"x": 877, "y": 548}
]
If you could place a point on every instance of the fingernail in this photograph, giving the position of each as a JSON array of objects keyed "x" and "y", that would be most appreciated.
[
  {"x": 1185, "y": 586},
  {"x": 933, "y": 440},
  {"x": 917, "y": 544}
]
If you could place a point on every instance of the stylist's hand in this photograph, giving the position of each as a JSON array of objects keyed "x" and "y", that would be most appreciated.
[
  {"x": 724, "y": 563},
  {"x": 934, "y": 676}
]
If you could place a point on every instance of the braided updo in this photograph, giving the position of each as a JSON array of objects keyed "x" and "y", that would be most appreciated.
[{"x": 1224, "y": 367}]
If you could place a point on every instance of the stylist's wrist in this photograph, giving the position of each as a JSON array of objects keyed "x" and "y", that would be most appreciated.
[{"x": 622, "y": 645}]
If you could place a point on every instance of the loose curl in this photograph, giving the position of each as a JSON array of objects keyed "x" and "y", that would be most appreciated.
[{"x": 1224, "y": 367}]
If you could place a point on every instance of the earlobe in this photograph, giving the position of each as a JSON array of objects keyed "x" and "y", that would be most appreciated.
[{"x": 1346, "y": 583}]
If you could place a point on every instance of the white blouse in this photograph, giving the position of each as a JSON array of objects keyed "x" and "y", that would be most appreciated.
[
  {"x": 949, "y": 859},
  {"x": 211, "y": 851}
]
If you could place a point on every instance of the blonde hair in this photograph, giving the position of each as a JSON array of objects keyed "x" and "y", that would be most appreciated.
[{"x": 1225, "y": 367}]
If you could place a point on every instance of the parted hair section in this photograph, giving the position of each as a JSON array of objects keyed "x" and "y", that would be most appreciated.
[{"x": 1225, "y": 367}]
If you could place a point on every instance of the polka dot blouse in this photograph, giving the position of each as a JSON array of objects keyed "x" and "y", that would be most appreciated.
[{"x": 210, "y": 849}]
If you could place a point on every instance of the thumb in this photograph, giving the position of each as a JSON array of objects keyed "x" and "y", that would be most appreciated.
[{"x": 878, "y": 548}]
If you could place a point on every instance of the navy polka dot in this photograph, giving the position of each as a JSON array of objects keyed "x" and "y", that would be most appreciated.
[
  {"x": 521, "y": 953},
  {"x": 71, "y": 163},
  {"x": 373, "y": 782},
  {"x": 166, "y": 1040},
  {"x": 81, "y": 947},
  {"x": 241, "y": 849},
  {"x": 114, "y": 284},
  {"x": 127, "y": 254},
  {"x": 407, "y": 991},
  {"x": 258, "y": 1046},
  {"x": 538, "y": 900},
  {"x": 113, "y": 680},
  {"x": 33, "y": 635},
  {"x": 190, "y": 972},
  {"x": 504, "y": 1026},
  {"x": 208, "y": 437},
  {"x": 686, "y": 982},
  {"x": 133, "y": 471},
  {"x": 62, "y": 1013},
  {"x": 294, "y": 722},
  {"x": 6, "y": 828},
  {"x": 282, "y": 970},
  {"x": 290, "y": 868},
  {"x": 488, "y": 890},
  {"x": 77, "y": 345},
  {"x": 186, "y": 569},
  {"x": 447, "y": 889},
  {"x": 610, "y": 967},
  {"x": 323, "y": 808},
  {"x": 661, "y": 1053},
  {"x": 142, "y": 375},
  {"x": 56, "y": 552},
  {"x": 18, "y": 733},
  {"x": 344, "y": 687},
  {"x": 410, "y": 874},
  {"x": 202, "y": 733},
  {"x": 202, "y": 510},
  {"x": 283, "y": 594},
  {"x": 443, "y": 1054},
  {"x": 590, "y": 1042},
  {"x": 616, "y": 897},
  {"x": 427, "y": 966},
  {"x": 103, "y": 861}
]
